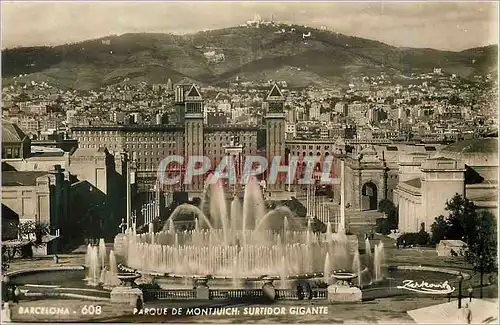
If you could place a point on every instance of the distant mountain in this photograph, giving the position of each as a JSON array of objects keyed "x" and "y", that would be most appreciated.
[{"x": 218, "y": 56}]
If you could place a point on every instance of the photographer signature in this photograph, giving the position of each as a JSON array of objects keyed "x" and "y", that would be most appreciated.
[{"x": 426, "y": 287}]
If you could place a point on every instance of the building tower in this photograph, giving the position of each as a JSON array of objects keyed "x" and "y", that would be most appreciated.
[
  {"x": 193, "y": 128},
  {"x": 275, "y": 130}
]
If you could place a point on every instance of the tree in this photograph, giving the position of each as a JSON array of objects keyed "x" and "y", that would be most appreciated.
[
  {"x": 385, "y": 225},
  {"x": 461, "y": 218},
  {"x": 476, "y": 229},
  {"x": 439, "y": 229},
  {"x": 482, "y": 252},
  {"x": 34, "y": 229},
  {"x": 459, "y": 223}
]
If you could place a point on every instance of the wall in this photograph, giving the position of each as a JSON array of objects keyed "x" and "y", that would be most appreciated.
[
  {"x": 92, "y": 169},
  {"x": 409, "y": 208},
  {"x": 441, "y": 180},
  {"x": 30, "y": 202}
]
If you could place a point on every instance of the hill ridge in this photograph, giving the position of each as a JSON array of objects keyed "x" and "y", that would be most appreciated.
[{"x": 218, "y": 56}]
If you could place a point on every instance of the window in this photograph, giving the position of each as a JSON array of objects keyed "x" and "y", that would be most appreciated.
[{"x": 8, "y": 153}]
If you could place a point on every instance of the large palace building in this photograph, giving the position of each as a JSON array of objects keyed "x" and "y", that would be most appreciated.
[{"x": 147, "y": 145}]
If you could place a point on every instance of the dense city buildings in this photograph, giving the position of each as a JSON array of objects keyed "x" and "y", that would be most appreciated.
[{"x": 388, "y": 130}]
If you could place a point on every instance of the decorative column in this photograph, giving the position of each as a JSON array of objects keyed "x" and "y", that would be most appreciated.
[
  {"x": 157, "y": 199},
  {"x": 126, "y": 160},
  {"x": 342, "y": 198},
  {"x": 407, "y": 213}
]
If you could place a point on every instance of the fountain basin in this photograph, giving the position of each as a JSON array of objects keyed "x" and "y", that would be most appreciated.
[
  {"x": 344, "y": 293},
  {"x": 344, "y": 276},
  {"x": 128, "y": 279},
  {"x": 42, "y": 281}
]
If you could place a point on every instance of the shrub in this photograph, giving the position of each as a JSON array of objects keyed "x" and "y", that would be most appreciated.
[
  {"x": 420, "y": 238},
  {"x": 383, "y": 226},
  {"x": 386, "y": 206}
]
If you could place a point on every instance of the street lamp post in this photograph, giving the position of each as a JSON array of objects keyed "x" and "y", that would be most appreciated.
[
  {"x": 481, "y": 262},
  {"x": 481, "y": 271},
  {"x": 460, "y": 279}
]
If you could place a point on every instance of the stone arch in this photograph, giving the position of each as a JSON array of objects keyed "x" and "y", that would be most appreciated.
[{"x": 369, "y": 196}]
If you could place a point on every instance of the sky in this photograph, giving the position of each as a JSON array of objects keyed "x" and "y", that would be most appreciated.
[{"x": 446, "y": 25}]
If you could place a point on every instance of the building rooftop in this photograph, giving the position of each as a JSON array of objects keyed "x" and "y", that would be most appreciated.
[
  {"x": 80, "y": 152},
  {"x": 8, "y": 213},
  {"x": 415, "y": 182},
  {"x": 452, "y": 242},
  {"x": 473, "y": 146},
  {"x": 11, "y": 132},
  {"x": 15, "y": 178},
  {"x": 474, "y": 152},
  {"x": 38, "y": 149}
]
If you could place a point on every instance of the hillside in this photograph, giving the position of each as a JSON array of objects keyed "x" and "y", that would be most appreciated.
[{"x": 251, "y": 53}]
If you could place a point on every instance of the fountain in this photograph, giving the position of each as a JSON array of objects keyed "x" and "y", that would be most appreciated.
[
  {"x": 327, "y": 270},
  {"x": 109, "y": 279},
  {"x": 368, "y": 247},
  {"x": 93, "y": 266},
  {"x": 239, "y": 242},
  {"x": 97, "y": 272},
  {"x": 378, "y": 257},
  {"x": 102, "y": 251},
  {"x": 125, "y": 292},
  {"x": 356, "y": 267},
  {"x": 342, "y": 289}
]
